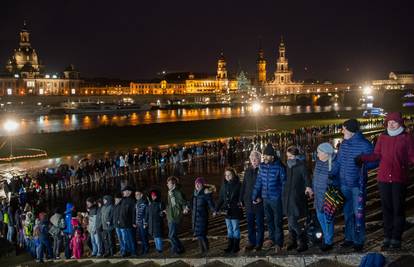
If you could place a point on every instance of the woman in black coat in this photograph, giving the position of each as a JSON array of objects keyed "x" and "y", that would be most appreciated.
[
  {"x": 229, "y": 203},
  {"x": 154, "y": 219},
  {"x": 294, "y": 199},
  {"x": 201, "y": 203}
]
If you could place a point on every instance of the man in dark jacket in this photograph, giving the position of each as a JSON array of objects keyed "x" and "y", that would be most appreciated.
[
  {"x": 126, "y": 221},
  {"x": 268, "y": 188},
  {"x": 294, "y": 200},
  {"x": 116, "y": 222},
  {"x": 107, "y": 211},
  {"x": 350, "y": 178},
  {"x": 395, "y": 150},
  {"x": 254, "y": 212},
  {"x": 92, "y": 227}
]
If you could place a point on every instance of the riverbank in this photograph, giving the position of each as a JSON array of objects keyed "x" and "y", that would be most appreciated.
[{"x": 109, "y": 138}]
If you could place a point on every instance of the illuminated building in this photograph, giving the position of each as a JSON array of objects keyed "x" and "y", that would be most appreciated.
[
  {"x": 188, "y": 83},
  {"x": 25, "y": 75},
  {"x": 396, "y": 81}
]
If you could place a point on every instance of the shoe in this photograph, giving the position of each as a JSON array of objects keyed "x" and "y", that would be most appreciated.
[
  {"x": 386, "y": 244},
  {"x": 293, "y": 244},
  {"x": 324, "y": 247},
  {"x": 278, "y": 249},
  {"x": 230, "y": 242},
  {"x": 268, "y": 244},
  {"x": 249, "y": 247},
  {"x": 395, "y": 244},
  {"x": 236, "y": 245},
  {"x": 347, "y": 244},
  {"x": 303, "y": 246},
  {"x": 358, "y": 248}
]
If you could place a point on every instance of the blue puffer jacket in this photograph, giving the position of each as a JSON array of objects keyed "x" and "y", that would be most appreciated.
[
  {"x": 346, "y": 168},
  {"x": 68, "y": 219},
  {"x": 321, "y": 181},
  {"x": 270, "y": 181}
]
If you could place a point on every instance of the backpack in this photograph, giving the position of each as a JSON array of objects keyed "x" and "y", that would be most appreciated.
[{"x": 373, "y": 260}]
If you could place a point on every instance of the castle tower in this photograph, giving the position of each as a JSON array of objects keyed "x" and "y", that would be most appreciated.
[
  {"x": 282, "y": 75},
  {"x": 261, "y": 67},
  {"x": 221, "y": 68}
]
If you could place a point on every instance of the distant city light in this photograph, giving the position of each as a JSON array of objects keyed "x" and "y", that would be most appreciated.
[
  {"x": 54, "y": 76},
  {"x": 10, "y": 126},
  {"x": 367, "y": 90},
  {"x": 16, "y": 75},
  {"x": 47, "y": 76},
  {"x": 256, "y": 107}
]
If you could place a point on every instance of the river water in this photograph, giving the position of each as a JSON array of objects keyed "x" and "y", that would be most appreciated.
[{"x": 59, "y": 123}]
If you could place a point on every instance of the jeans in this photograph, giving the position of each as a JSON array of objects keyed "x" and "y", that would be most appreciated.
[
  {"x": 57, "y": 241},
  {"x": 43, "y": 242},
  {"x": 233, "y": 228},
  {"x": 10, "y": 233},
  {"x": 274, "y": 216},
  {"x": 255, "y": 227},
  {"x": 327, "y": 228},
  {"x": 176, "y": 245},
  {"x": 295, "y": 227},
  {"x": 96, "y": 244},
  {"x": 108, "y": 242},
  {"x": 121, "y": 241},
  {"x": 350, "y": 211},
  {"x": 158, "y": 243},
  {"x": 128, "y": 239},
  {"x": 66, "y": 242},
  {"x": 393, "y": 209},
  {"x": 143, "y": 237}
]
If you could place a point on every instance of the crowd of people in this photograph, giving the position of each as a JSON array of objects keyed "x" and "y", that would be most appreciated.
[{"x": 278, "y": 182}]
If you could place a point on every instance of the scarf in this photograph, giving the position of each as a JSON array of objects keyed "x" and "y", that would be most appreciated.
[
  {"x": 172, "y": 197},
  {"x": 395, "y": 132}
]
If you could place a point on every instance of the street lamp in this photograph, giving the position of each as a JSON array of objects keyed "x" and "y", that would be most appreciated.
[
  {"x": 256, "y": 107},
  {"x": 10, "y": 126}
]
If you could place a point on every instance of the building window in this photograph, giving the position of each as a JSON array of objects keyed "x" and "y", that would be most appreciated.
[
  {"x": 73, "y": 91},
  {"x": 41, "y": 91},
  {"x": 9, "y": 91},
  {"x": 30, "y": 84}
]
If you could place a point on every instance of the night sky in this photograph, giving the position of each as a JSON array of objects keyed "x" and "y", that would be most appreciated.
[{"x": 138, "y": 38}]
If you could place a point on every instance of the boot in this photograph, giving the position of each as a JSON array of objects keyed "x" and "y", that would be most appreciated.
[
  {"x": 230, "y": 242},
  {"x": 303, "y": 243},
  {"x": 205, "y": 245},
  {"x": 236, "y": 245},
  {"x": 201, "y": 247},
  {"x": 292, "y": 244}
]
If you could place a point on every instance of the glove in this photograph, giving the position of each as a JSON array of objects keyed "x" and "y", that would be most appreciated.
[{"x": 358, "y": 161}]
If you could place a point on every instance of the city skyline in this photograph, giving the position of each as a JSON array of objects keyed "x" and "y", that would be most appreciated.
[{"x": 353, "y": 48}]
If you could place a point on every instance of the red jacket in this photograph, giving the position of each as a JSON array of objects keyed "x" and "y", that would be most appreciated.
[{"x": 395, "y": 154}]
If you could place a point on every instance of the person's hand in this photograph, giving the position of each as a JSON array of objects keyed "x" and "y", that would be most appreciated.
[
  {"x": 257, "y": 201},
  {"x": 240, "y": 204},
  {"x": 186, "y": 210},
  {"x": 309, "y": 192},
  {"x": 358, "y": 161},
  {"x": 145, "y": 225},
  {"x": 214, "y": 213}
]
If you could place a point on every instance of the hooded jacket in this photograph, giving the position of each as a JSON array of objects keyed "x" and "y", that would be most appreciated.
[
  {"x": 107, "y": 211},
  {"x": 202, "y": 202},
  {"x": 68, "y": 219}
]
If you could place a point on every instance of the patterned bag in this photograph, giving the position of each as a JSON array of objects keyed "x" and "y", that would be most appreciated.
[{"x": 334, "y": 200}]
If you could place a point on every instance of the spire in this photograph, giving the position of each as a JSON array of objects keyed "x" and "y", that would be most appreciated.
[{"x": 282, "y": 43}]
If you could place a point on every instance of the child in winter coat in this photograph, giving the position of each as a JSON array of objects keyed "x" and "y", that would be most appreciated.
[{"x": 76, "y": 244}]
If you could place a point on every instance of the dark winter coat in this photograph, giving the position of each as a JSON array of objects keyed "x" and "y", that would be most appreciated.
[
  {"x": 395, "y": 154},
  {"x": 155, "y": 217},
  {"x": 249, "y": 181},
  {"x": 294, "y": 199},
  {"x": 270, "y": 181},
  {"x": 229, "y": 199},
  {"x": 107, "y": 213},
  {"x": 117, "y": 215},
  {"x": 346, "y": 169},
  {"x": 127, "y": 213},
  {"x": 201, "y": 203}
]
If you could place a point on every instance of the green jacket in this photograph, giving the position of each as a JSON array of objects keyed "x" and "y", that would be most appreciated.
[{"x": 175, "y": 206}]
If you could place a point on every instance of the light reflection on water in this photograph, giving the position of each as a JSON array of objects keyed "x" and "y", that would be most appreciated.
[{"x": 58, "y": 123}]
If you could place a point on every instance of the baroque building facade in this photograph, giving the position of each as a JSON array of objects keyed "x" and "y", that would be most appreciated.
[
  {"x": 189, "y": 83},
  {"x": 25, "y": 75}
]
